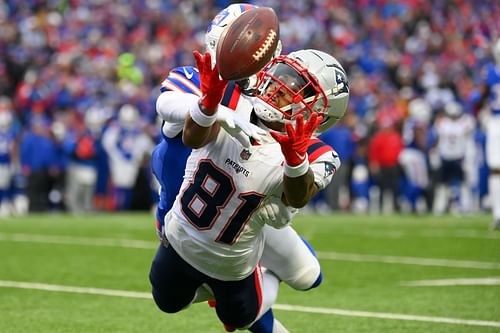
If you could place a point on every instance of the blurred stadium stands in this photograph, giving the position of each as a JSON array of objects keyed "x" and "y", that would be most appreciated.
[{"x": 62, "y": 60}]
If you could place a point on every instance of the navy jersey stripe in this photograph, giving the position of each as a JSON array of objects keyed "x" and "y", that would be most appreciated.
[
  {"x": 226, "y": 99},
  {"x": 315, "y": 146}
]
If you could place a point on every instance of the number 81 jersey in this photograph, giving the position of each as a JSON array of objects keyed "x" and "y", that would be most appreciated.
[{"x": 211, "y": 225}]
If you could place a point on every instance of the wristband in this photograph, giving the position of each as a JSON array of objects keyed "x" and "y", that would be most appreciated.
[
  {"x": 200, "y": 118},
  {"x": 297, "y": 171}
]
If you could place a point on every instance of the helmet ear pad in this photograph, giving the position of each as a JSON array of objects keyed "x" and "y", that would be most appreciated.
[{"x": 338, "y": 107}]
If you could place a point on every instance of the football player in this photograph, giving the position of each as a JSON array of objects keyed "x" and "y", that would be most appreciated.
[
  {"x": 284, "y": 251},
  {"x": 7, "y": 160},
  {"x": 454, "y": 136},
  {"x": 126, "y": 146},
  {"x": 212, "y": 234},
  {"x": 491, "y": 91}
]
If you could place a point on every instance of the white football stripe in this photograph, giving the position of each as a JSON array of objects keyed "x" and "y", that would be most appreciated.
[
  {"x": 407, "y": 260},
  {"x": 283, "y": 307},
  {"x": 489, "y": 281},
  {"x": 137, "y": 244},
  {"x": 186, "y": 82},
  {"x": 380, "y": 315},
  {"x": 72, "y": 240},
  {"x": 434, "y": 233},
  {"x": 72, "y": 289}
]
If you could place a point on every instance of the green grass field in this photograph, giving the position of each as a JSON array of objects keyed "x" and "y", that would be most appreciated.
[{"x": 88, "y": 274}]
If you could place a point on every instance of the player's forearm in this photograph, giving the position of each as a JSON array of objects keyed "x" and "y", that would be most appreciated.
[
  {"x": 200, "y": 127},
  {"x": 298, "y": 191},
  {"x": 196, "y": 136}
]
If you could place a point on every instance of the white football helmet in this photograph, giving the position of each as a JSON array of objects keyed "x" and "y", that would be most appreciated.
[
  {"x": 496, "y": 51},
  {"x": 221, "y": 21},
  {"x": 316, "y": 81},
  {"x": 5, "y": 120},
  {"x": 6, "y": 110},
  {"x": 453, "y": 109},
  {"x": 128, "y": 116},
  {"x": 95, "y": 118},
  {"x": 420, "y": 110}
]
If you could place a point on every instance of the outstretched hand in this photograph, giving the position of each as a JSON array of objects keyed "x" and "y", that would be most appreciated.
[
  {"x": 295, "y": 143},
  {"x": 212, "y": 85},
  {"x": 238, "y": 127}
]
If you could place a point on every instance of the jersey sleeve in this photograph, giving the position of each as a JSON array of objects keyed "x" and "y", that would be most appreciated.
[
  {"x": 324, "y": 162},
  {"x": 182, "y": 79},
  {"x": 231, "y": 95}
]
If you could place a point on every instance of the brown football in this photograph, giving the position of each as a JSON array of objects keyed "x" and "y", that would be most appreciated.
[{"x": 247, "y": 44}]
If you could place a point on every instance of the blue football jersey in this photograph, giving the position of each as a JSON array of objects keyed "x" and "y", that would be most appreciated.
[
  {"x": 184, "y": 79},
  {"x": 493, "y": 82}
]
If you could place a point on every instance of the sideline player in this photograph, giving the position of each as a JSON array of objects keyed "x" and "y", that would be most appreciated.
[
  {"x": 491, "y": 91},
  {"x": 8, "y": 158}
]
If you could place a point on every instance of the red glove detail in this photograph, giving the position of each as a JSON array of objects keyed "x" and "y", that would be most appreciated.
[
  {"x": 212, "y": 85},
  {"x": 294, "y": 145}
]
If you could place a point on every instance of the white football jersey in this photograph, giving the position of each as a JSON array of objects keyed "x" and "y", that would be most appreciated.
[
  {"x": 211, "y": 225},
  {"x": 454, "y": 136}
]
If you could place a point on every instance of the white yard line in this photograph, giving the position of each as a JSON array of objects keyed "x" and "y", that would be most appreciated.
[
  {"x": 407, "y": 260},
  {"x": 284, "y": 307},
  {"x": 72, "y": 289},
  {"x": 136, "y": 244},
  {"x": 75, "y": 240},
  {"x": 434, "y": 233},
  {"x": 489, "y": 281},
  {"x": 380, "y": 315}
]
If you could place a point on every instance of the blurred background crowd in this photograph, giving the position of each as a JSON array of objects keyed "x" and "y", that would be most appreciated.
[{"x": 79, "y": 80}]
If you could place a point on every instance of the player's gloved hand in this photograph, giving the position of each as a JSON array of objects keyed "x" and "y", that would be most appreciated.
[
  {"x": 238, "y": 127},
  {"x": 274, "y": 212},
  {"x": 212, "y": 85},
  {"x": 294, "y": 145}
]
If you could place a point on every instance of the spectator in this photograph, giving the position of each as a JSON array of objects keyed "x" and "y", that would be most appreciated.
[
  {"x": 40, "y": 165},
  {"x": 82, "y": 146},
  {"x": 341, "y": 138},
  {"x": 7, "y": 157},
  {"x": 383, "y": 156}
]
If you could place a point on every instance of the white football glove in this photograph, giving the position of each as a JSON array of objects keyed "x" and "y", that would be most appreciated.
[
  {"x": 274, "y": 212},
  {"x": 237, "y": 126}
]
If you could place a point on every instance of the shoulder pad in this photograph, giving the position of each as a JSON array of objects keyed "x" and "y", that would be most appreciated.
[
  {"x": 182, "y": 79},
  {"x": 317, "y": 148}
]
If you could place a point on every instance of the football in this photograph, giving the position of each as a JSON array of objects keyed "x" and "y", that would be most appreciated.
[{"x": 247, "y": 44}]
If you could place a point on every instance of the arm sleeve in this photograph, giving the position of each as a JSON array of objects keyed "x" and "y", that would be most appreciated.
[
  {"x": 324, "y": 168},
  {"x": 173, "y": 107}
]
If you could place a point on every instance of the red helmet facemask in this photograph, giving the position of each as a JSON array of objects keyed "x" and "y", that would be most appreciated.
[{"x": 287, "y": 89}]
